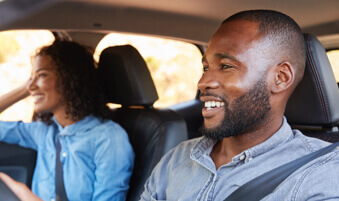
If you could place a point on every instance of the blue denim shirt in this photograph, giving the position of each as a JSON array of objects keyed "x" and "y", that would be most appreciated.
[
  {"x": 188, "y": 173},
  {"x": 96, "y": 154}
]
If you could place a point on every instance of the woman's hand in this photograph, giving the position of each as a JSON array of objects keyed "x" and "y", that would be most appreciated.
[{"x": 19, "y": 189}]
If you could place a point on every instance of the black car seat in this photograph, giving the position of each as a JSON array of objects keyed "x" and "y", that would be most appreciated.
[
  {"x": 152, "y": 132},
  {"x": 313, "y": 107},
  {"x": 18, "y": 162}
]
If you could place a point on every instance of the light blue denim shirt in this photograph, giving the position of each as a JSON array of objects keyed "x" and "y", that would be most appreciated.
[
  {"x": 188, "y": 173},
  {"x": 96, "y": 154}
]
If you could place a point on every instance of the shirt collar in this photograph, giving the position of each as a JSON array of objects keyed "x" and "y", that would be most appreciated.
[
  {"x": 284, "y": 134},
  {"x": 83, "y": 125}
]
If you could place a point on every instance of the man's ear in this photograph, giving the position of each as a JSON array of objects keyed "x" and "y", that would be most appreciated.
[{"x": 284, "y": 77}]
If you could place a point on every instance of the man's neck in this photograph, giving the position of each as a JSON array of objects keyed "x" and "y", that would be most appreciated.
[{"x": 225, "y": 150}]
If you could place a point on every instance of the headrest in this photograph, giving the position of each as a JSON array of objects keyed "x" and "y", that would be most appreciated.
[
  {"x": 126, "y": 78},
  {"x": 315, "y": 101}
]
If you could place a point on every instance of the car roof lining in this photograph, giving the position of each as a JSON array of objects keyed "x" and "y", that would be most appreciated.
[{"x": 196, "y": 19}]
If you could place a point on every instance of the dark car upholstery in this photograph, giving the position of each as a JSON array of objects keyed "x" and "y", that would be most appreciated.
[
  {"x": 314, "y": 105},
  {"x": 152, "y": 132},
  {"x": 17, "y": 162},
  {"x": 191, "y": 112}
]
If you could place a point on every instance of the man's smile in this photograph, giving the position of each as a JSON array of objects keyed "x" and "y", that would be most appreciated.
[{"x": 213, "y": 105}]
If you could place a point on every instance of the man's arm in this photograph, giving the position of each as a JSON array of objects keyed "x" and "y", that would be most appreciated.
[{"x": 147, "y": 193}]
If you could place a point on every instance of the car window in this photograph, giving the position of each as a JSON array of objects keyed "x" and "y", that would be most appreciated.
[
  {"x": 16, "y": 51},
  {"x": 333, "y": 56},
  {"x": 175, "y": 66}
]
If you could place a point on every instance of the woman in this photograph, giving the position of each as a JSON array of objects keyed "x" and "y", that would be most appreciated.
[{"x": 96, "y": 156}]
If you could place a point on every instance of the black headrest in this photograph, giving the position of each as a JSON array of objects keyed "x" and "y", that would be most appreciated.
[
  {"x": 126, "y": 78},
  {"x": 316, "y": 99}
]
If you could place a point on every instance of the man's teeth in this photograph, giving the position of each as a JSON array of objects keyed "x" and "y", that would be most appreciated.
[{"x": 212, "y": 104}]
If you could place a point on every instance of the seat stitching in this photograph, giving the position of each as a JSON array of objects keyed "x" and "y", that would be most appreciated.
[
  {"x": 316, "y": 76},
  {"x": 323, "y": 93}
]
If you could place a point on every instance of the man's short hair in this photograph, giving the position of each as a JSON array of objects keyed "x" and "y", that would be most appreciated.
[{"x": 284, "y": 34}]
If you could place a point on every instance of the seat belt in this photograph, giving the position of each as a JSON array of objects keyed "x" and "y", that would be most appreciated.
[
  {"x": 60, "y": 192},
  {"x": 261, "y": 186}
]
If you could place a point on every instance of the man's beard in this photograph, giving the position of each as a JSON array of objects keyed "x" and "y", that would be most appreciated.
[{"x": 246, "y": 113}]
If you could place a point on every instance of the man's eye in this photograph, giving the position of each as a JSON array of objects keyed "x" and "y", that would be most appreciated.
[
  {"x": 205, "y": 69},
  {"x": 225, "y": 66}
]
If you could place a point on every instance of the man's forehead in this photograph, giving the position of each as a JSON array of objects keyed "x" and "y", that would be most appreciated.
[
  {"x": 234, "y": 37},
  {"x": 243, "y": 29}
]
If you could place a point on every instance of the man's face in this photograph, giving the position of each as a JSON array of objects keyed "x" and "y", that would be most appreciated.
[{"x": 233, "y": 86}]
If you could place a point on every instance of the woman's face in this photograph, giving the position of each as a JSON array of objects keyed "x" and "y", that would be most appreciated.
[{"x": 43, "y": 86}]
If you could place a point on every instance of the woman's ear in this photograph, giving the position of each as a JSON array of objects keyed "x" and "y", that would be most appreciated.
[{"x": 283, "y": 78}]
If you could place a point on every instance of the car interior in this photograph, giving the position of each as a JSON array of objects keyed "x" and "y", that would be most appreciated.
[
  {"x": 313, "y": 107},
  {"x": 152, "y": 131}
]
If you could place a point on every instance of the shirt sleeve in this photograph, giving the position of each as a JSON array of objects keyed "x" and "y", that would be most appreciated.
[
  {"x": 114, "y": 158},
  {"x": 147, "y": 193},
  {"x": 23, "y": 134},
  {"x": 155, "y": 186}
]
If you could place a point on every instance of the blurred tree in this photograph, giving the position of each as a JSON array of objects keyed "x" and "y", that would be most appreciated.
[
  {"x": 9, "y": 46},
  {"x": 153, "y": 63}
]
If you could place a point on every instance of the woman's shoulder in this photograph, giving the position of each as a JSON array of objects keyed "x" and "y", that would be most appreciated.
[
  {"x": 110, "y": 124},
  {"x": 108, "y": 127}
]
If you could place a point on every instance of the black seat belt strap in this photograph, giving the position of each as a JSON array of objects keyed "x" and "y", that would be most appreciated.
[
  {"x": 60, "y": 192},
  {"x": 259, "y": 187}
]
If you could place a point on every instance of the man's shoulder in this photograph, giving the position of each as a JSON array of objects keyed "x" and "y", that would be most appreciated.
[
  {"x": 320, "y": 178},
  {"x": 188, "y": 144},
  {"x": 184, "y": 148},
  {"x": 321, "y": 167},
  {"x": 312, "y": 144},
  {"x": 179, "y": 154}
]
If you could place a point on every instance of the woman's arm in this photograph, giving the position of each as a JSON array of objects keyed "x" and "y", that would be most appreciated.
[
  {"x": 19, "y": 189},
  {"x": 13, "y": 96},
  {"x": 23, "y": 134},
  {"x": 114, "y": 159}
]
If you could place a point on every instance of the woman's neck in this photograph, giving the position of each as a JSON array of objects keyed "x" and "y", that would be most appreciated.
[{"x": 63, "y": 119}]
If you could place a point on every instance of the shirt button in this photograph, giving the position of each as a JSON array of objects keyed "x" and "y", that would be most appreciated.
[
  {"x": 242, "y": 157},
  {"x": 250, "y": 159},
  {"x": 64, "y": 154}
]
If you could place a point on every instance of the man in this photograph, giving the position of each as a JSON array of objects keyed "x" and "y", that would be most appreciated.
[{"x": 252, "y": 64}]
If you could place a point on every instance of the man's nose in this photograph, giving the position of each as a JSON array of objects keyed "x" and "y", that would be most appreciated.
[{"x": 208, "y": 81}]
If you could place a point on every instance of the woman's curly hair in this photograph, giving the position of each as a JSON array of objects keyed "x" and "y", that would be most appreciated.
[{"x": 77, "y": 80}]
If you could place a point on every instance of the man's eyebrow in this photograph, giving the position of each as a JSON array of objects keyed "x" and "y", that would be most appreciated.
[
  {"x": 226, "y": 56},
  {"x": 221, "y": 56}
]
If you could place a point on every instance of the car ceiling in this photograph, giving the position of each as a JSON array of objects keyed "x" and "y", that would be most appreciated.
[{"x": 190, "y": 20}]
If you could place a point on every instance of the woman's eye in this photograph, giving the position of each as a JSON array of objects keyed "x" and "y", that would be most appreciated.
[
  {"x": 42, "y": 75},
  {"x": 204, "y": 69}
]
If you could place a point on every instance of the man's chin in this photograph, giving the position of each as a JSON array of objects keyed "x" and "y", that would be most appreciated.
[{"x": 213, "y": 133}]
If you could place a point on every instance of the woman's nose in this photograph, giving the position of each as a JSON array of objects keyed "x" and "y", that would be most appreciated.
[{"x": 31, "y": 83}]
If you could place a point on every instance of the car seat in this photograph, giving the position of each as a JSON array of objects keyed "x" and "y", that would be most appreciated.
[
  {"x": 313, "y": 107},
  {"x": 152, "y": 132},
  {"x": 18, "y": 162}
]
